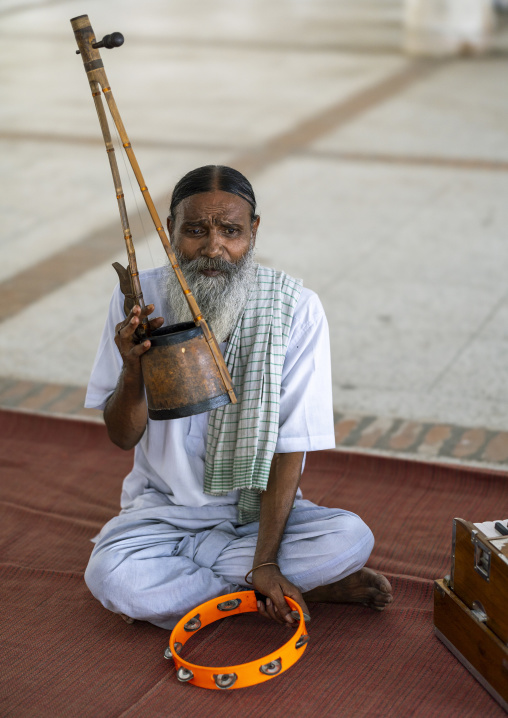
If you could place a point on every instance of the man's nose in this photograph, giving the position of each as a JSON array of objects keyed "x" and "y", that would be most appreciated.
[{"x": 213, "y": 245}]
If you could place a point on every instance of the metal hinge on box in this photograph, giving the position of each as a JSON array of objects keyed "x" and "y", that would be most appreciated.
[{"x": 482, "y": 555}]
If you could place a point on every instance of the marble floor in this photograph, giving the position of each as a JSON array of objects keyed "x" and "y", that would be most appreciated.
[{"x": 381, "y": 181}]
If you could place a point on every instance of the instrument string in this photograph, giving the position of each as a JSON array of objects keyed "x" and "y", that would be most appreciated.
[{"x": 128, "y": 173}]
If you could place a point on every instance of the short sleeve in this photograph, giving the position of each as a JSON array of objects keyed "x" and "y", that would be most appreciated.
[
  {"x": 108, "y": 362},
  {"x": 306, "y": 405}
]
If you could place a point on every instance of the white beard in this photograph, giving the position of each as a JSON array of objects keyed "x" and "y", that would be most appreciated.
[{"x": 221, "y": 299}]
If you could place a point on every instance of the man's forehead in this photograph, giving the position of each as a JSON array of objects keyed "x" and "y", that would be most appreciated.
[{"x": 217, "y": 204}]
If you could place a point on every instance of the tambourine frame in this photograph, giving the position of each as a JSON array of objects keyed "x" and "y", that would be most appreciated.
[{"x": 245, "y": 674}]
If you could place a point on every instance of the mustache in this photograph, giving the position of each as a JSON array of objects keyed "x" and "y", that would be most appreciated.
[{"x": 215, "y": 263}]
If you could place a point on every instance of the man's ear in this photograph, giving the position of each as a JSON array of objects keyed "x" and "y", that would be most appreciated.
[
  {"x": 170, "y": 226},
  {"x": 254, "y": 227}
]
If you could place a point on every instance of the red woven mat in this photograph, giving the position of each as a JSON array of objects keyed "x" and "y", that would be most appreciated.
[{"x": 62, "y": 654}]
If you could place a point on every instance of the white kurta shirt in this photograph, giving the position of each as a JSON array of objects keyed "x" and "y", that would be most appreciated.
[{"x": 169, "y": 460}]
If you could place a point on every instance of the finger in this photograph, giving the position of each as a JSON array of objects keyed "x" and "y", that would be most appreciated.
[
  {"x": 126, "y": 329},
  {"x": 283, "y": 621},
  {"x": 284, "y": 610},
  {"x": 291, "y": 591},
  {"x": 270, "y": 607},
  {"x": 156, "y": 323},
  {"x": 280, "y": 604},
  {"x": 262, "y": 609},
  {"x": 134, "y": 312},
  {"x": 268, "y": 614},
  {"x": 147, "y": 310},
  {"x": 139, "y": 349},
  {"x": 270, "y": 611}
]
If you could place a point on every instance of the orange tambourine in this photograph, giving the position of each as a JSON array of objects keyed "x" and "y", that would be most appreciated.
[{"x": 246, "y": 674}]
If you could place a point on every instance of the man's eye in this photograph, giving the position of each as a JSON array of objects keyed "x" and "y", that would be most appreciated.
[
  {"x": 194, "y": 231},
  {"x": 231, "y": 231}
]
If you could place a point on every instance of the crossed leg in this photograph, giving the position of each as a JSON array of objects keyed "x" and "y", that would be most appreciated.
[{"x": 153, "y": 568}]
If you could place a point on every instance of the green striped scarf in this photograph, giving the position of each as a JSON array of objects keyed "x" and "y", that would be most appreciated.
[{"x": 242, "y": 437}]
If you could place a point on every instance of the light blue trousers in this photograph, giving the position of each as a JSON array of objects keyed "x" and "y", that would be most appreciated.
[{"x": 156, "y": 564}]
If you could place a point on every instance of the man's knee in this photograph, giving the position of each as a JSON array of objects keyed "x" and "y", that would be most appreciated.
[
  {"x": 359, "y": 537},
  {"x": 112, "y": 581},
  {"x": 98, "y": 576},
  {"x": 343, "y": 548},
  {"x": 348, "y": 544}
]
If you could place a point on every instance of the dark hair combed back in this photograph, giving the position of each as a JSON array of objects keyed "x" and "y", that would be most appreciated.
[{"x": 210, "y": 178}]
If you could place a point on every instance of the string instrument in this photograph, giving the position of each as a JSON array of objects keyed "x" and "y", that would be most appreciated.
[{"x": 184, "y": 370}]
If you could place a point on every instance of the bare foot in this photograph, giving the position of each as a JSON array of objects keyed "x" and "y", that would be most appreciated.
[
  {"x": 127, "y": 619},
  {"x": 365, "y": 586}
]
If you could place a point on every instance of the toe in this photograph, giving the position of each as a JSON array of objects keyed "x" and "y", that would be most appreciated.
[{"x": 383, "y": 584}]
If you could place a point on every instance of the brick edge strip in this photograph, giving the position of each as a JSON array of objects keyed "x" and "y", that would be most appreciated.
[{"x": 425, "y": 440}]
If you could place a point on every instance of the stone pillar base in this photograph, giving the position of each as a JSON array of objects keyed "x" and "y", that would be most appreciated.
[{"x": 447, "y": 27}]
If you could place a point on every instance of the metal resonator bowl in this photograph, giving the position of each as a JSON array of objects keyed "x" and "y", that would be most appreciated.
[{"x": 180, "y": 374}]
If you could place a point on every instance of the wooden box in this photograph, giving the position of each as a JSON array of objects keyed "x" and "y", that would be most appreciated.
[
  {"x": 471, "y": 606},
  {"x": 479, "y": 575},
  {"x": 469, "y": 639}
]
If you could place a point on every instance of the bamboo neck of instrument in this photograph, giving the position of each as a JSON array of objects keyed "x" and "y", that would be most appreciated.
[
  {"x": 94, "y": 68},
  {"x": 96, "y": 74}
]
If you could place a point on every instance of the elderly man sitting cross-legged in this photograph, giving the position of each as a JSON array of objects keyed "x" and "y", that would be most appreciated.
[{"x": 194, "y": 521}]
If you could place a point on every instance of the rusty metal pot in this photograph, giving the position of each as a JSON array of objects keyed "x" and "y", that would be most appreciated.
[{"x": 180, "y": 374}]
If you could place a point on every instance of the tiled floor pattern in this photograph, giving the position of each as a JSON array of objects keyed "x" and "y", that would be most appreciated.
[{"x": 365, "y": 433}]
